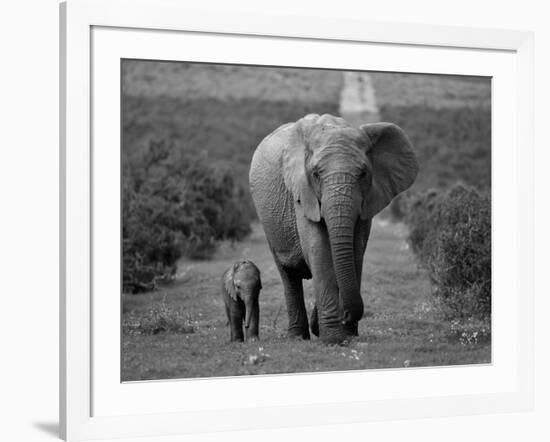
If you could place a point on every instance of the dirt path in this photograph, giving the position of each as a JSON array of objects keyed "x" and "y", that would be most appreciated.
[{"x": 358, "y": 99}]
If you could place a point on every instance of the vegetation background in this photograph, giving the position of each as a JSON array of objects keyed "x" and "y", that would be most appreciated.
[{"x": 189, "y": 131}]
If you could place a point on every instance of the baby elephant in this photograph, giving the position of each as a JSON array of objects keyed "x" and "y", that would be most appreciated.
[{"x": 241, "y": 287}]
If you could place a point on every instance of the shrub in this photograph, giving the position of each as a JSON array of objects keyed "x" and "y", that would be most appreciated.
[
  {"x": 158, "y": 319},
  {"x": 174, "y": 205},
  {"x": 451, "y": 234},
  {"x": 227, "y": 130},
  {"x": 419, "y": 211}
]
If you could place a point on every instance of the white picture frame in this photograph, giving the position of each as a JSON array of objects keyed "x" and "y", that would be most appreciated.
[{"x": 93, "y": 404}]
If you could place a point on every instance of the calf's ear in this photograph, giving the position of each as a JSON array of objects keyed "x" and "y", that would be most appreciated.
[{"x": 229, "y": 284}]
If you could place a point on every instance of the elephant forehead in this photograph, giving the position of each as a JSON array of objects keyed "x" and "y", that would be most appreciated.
[
  {"x": 337, "y": 148},
  {"x": 345, "y": 137},
  {"x": 246, "y": 272}
]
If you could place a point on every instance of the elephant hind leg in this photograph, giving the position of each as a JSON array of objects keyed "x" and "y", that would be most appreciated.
[{"x": 294, "y": 296}]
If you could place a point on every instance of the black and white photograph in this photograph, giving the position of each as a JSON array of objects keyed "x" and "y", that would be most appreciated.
[
  {"x": 296, "y": 220},
  {"x": 269, "y": 221}
]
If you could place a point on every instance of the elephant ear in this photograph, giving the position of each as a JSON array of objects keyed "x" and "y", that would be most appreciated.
[
  {"x": 228, "y": 283},
  {"x": 296, "y": 180},
  {"x": 394, "y": 165}
]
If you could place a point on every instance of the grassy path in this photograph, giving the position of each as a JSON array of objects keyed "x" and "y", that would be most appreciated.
[{"x": 399, "y": 329}]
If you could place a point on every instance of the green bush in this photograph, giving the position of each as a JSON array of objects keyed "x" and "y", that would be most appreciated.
[
  {"x": 418, "y": 209},
  {"x": 451, "y": 234},
  {"x": 174, "y": 205},
  {"x": 158, "y": 319}
]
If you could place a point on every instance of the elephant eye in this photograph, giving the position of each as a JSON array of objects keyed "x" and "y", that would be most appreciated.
[{"x": 315, "y": 174}]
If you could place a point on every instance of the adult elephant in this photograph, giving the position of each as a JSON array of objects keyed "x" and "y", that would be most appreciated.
[{"x": 316, "y": 185}]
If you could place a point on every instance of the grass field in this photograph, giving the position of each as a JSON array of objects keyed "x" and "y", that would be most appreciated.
[
  {"x": 433, "y": 91},
  {"x": 400, "y": 327}
]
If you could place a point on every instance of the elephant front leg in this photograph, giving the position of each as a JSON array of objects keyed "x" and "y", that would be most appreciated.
[
  {"x": 236, "y": 323},
  {"x": 252, "y": 332},
  {"x": 295, "y": 305},
  {"x": 327, "y": 315}
]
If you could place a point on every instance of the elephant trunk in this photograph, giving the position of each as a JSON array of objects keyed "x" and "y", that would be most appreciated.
[
  {"x": 340, "y": 217},
  {"x": 248, "y": 315}
]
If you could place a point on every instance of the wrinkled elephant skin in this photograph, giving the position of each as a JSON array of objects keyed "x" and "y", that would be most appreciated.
[{"x": 316, "y": 185}]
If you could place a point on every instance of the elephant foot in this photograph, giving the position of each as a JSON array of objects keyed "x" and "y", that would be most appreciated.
[
  {"x": 336, "y": 339},
  {"x": 314, "y": 322},
  {"x": 334, "y": 336},
  {"x": 335, "y": 332},
  {"x": 298, "y": 333}
]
